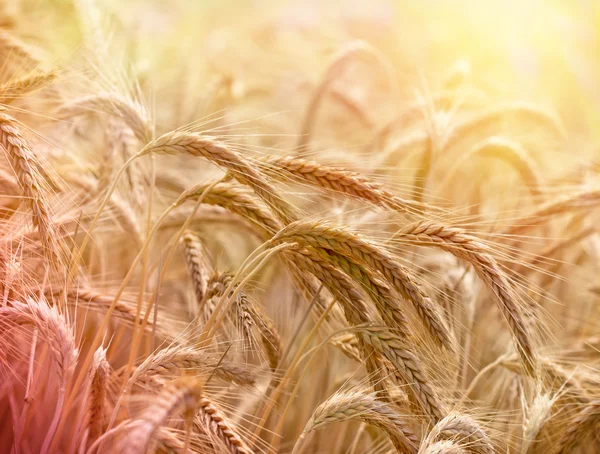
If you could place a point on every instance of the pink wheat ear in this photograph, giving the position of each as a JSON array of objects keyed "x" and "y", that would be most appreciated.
[
  {"x": 55, "y": 330},
  {"x": 99, "y": 382},
  {"x": 27, "y": 170}
]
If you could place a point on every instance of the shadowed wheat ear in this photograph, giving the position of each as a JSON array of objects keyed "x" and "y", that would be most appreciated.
[
  {"x": 350, "y": 299},
  {"x": 240, "y": 313},
  {"x": 87, "y": 298},
  {"x": 583, "y": 424},
  {"x": 27, "y": 170},
  {"x": 216, "y": 425},
  {"x": 341, "y": 181},
  {"x": 270, "y": 337},
  {"x": 53, "y": 328},
  {"x": 462, "y": 429},
  {"x": 385, "y": 301},
  {"x": 197, "y": 265},
  {"x": 184, "y": 394},
  {"x": 199, "y": 145},
  {"x": 99, "y": 382},
  {"x": 407, "y": 367},
  {"x": 359, "y": 250},
  {"x": 249, "y": 314},
  {"x": 469, "y": 248},
  {"x": 352, "y": 405}
]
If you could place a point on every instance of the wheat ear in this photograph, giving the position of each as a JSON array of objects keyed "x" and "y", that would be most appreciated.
[
  {"x": 354, "y": 247},
  {"x": 214, "y": 422},
  {"x": 132, "y": 113},
  {"x": 341, "y": 181},
  {"x": 200, "y": 145},
  {"x": 582, "y": 424},
  {"x": 60, "y": 336},
  {"x": 197, "y": 266},
  {"x": 99, "y": 381},
  {"x": 177, "y": 358},
  {"x": 183, "y": 394},
  {"x": 27, "y": 170},
  {"x": 469, "y": 248},
  {"x": 349, "y": 405},
  {"x": 463, "y": 429},
  {"x": 442, "y": 447}
]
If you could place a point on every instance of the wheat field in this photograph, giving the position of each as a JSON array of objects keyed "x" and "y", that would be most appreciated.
[{"x": 261, "y": 226}]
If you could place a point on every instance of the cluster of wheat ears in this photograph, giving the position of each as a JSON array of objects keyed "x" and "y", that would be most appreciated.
[{"x": 199, "y": 257}]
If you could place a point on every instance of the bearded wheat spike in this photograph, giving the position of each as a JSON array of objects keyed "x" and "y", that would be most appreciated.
[
  {"x": 270, "y": 337},
  {"x": 508, "y": 151},
  {"x": 582, "y": 424},
  {"x": 375, "y": 339},
  {"x": 407, "y": 367},
  {"x": 18, "y": 87},
  {"x": 442, "y": 447},
  {"x": 355, "y": 310},
  {"x": 463, "y": 429},
  {"x": 334, "y": 70},
  {"x": 14, "y": 47},
  {"x": 27, "y": 170},
  {"x": 344, "y": 406},
  {"x": 384, "y": 299},
  {"x": 132, "y": 113},
  {"x": 197, "y": 266},
  {"x": 61, "y": 339},
  {"x": 183, "y": 394},
  {"x": 467, "y": 247},
  {"x": 342, "y": 181},
  {"x": 99, "y": 381},
  {"x": 236, "y": 200},
  {"x": 212, "y": 420},
  {"x": 356, "y": 248},
  {"x": 177, "y": 358},
  {"x": 584, "y": 200},
  {"x": 203, "y": 146}
]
